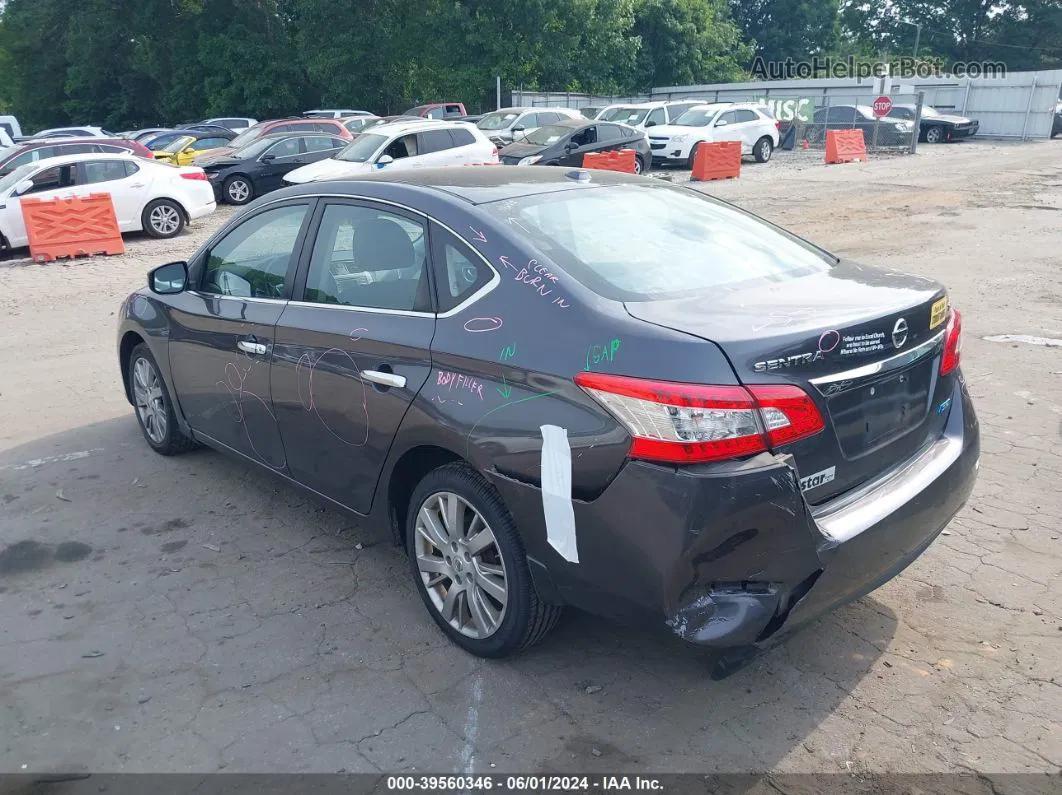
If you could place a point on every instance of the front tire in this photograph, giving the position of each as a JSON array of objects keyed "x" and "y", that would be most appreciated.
[
  {"x": 693, "y": 157},
  {"x": 163, "y": 219},
  {"x": 238, "y": 190},
  {"x": 640, "y": 166},
  {"x": 763, "y": 149},
  {"x": 935, "y": 135},
  {"x": 469, "y": 566},
  {"x": 154, "y": 408}
]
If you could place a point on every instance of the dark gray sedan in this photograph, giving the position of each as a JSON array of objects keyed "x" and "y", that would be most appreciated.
[{"x": 560, "y": 387}]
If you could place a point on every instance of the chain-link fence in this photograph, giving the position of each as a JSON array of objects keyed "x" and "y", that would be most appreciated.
[{"x": 889, "y": 127}]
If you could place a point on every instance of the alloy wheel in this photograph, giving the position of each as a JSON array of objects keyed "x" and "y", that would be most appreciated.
[
  {"x": 461, "y": 565},
  {"x": 164, "y": 219},
  {"x": 933, "y": 135},
  {"x": 239, "y": 191},
  {"x": 150, "y": 400}
]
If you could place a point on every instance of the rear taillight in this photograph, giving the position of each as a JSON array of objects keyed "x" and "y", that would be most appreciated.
[
  {"x": 690, "y": 423},
  {"x": 193, "y": 175},
  {"x": 777, "y": 125},
  {"x": 952, "y": 343}
]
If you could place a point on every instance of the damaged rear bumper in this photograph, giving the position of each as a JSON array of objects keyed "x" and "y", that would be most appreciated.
[{"x": 730, "y": 556}]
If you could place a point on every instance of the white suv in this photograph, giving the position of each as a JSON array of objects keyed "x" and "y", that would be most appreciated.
[
  {"x": 747, "y": 122},
  {"x": 403, "y": 145},
  {"x": 644, "y": 115}
]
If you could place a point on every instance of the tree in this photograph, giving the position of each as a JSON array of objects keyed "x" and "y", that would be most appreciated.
[
  {"x": 685, "y": 42},
  {"x": 797, "y": 29}
]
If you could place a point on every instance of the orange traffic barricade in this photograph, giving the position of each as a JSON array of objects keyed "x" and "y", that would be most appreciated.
[
  {"x": 720, "y": 160},
  {"x": 623, "y": 160},
  {"x": 72, "y": 227},
  {"x": 845, "y": 146}
]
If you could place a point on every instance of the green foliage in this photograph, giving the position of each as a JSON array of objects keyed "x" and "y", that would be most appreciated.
[
  {"x": 797, "y": 29},
  {"x": 685, "y": 42}
]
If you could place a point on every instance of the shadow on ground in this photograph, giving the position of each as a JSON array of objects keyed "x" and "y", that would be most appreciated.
[{"x": 227, "y": 622}]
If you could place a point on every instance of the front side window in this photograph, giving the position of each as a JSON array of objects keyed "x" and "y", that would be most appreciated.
[
  {"x": 730, "y": 117},
  {"x": 406, "y": 146},
  {"x": 436, "y": 113},
  {"x": 207, "y": 143},
  {"x": 643, "y": 243},
  {"x": 609, "y": 132},
  {"x": 368, "y": 258},
  {"x": 252, "y": 260},
  {"x": 96, "y": 171},
  {"x": 585, "y": 137},
  {"x": 656, "y": 117},
  {"x": 51, "y": 179}
]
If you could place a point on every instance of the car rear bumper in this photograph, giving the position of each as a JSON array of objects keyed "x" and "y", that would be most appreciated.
[{"x": 730, "y": 555}]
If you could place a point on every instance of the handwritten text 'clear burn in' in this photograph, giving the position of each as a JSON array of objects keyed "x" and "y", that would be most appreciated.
[
  {"x": 538, "y": 277},
  {"x": 460, "y": 382}
]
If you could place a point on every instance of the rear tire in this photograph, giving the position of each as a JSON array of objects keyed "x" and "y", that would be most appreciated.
[
  {"x": 763, "y": 149},
  {"x": 640, "y": 166},
  {"x": 163, "y": 219},
  {"x": 153, "y": 405},
  {"x": 238, "y": 190},
  {"x": 449, "y": 561}
]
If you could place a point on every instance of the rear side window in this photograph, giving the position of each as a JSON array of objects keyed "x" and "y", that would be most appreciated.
[
  {"x": 435, "y": 141},
  {"x": 282, "y": 128},
  {"x": 286, "y": 148},
  {"x": 459, "y": 271},
  {"x": 96, "y": 171},
  {"x": 640, "y": 243},
  {"x": 610, "y": 132},
  {"x": 320, "y": 143},
  {"x": 369, "y": 258},
  {"x": 462, "y": 137},
  {"x": 747, "y": 115},
  {"x": 130, "y": 167}
]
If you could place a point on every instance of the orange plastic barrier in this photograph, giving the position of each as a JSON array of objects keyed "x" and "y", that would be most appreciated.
[
  {"x": 845, "y": 146},
  {"x": 73, "y": 227},
  {"x": 720, "y": 160},
  {"x": 623, "y": 160}
]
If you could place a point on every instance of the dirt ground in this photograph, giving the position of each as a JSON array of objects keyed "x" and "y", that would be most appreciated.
[{"x": 188, "y": 614}]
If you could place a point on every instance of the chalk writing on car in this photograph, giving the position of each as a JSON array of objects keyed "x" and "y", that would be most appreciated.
[
  {"x": 508, "y": 352},
  {"x": 478, "y": 325},
  {"x": 599, "y": 354},
  {"x": 459, "y": 382},
  {"x": 478, "y": 236},
  {"x": 235, "y": 383}
]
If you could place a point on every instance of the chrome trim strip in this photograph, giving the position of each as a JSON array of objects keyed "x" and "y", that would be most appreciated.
[
  {"x": 885, "y": 365},
  {"x": 238, "y": 297},
  {"x": 852, "y": 514}
]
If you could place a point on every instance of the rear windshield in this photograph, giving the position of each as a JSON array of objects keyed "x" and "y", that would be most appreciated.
[{"x": 643, "y": 243}]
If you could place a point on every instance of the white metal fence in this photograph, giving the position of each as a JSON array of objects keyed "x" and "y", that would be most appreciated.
[{"x": 1020, "y": 105}]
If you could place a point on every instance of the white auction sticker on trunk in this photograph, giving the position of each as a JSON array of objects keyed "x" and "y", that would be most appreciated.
[{"x": 818, "y": 479}]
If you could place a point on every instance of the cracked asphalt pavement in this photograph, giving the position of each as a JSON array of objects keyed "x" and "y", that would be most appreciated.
[{"x": 189, "y": 614}]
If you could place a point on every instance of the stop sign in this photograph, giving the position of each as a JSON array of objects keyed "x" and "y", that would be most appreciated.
[{"x": 882, "y": 106}]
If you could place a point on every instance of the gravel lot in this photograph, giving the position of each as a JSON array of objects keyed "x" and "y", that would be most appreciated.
[{"x": 190, "y": 615}]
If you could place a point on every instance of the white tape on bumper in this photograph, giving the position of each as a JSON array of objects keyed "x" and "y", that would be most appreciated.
[{"x": 557, "y": 492}]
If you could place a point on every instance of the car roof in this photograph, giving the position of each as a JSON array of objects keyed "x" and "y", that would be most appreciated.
[
  {"x": 472, "y": 184},
  {"x": 417, "y": 126},
  {"x": 35, "y": 143},
  {"x": 65, "y": 160}
]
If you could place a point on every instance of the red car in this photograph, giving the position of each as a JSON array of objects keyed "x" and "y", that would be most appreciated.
[
  {"x": 32, "y": 151},
  {"x": 438, "y": 110},
  {"x": 274, "y": 127}
]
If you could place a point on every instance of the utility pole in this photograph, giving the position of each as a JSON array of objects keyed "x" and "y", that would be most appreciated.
[{"x": 918, "y": 36}]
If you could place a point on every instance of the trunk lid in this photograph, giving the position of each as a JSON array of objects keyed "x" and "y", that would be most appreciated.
[{"x": 864, "y": 343}]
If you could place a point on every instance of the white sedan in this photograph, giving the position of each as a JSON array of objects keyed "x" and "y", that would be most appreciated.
[{"x": 151, "y": 197}]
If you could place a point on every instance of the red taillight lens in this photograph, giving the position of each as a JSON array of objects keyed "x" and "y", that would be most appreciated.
[
  {"x": 952, "y": 343},
  {"x": 777, "y": 125},
  {"x": 690, "y": 423},
  {"x": 193, "y": 175},
  {"x": 788, "y": 413}
]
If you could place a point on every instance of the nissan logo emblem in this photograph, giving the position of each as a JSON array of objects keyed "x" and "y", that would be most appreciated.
[{"x": 899, "y": 333}]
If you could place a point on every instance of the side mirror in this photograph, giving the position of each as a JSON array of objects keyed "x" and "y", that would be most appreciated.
[
  {"x": 23, "y": 187},
  {"x": 268, "y": 158},
  {"x": 650, "y": 124},
  {"x": 722, "y": 123},
  {"x": 518, "y": 128},
  {"x": 383, "y": 160},
  {"x": 571, "y": 146},
  {"x": 169, "y": 279}
]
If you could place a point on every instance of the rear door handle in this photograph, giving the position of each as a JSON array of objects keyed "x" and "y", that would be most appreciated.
[
  {"x": 384, "y": 379},
  {"x": 256, "y": 348}
]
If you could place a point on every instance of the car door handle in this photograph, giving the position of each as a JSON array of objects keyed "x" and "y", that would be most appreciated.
[
  {"x": 137, "y": 185},
  {"x": 257, "y": 348},
  {"x": 384, "y": 379}
]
